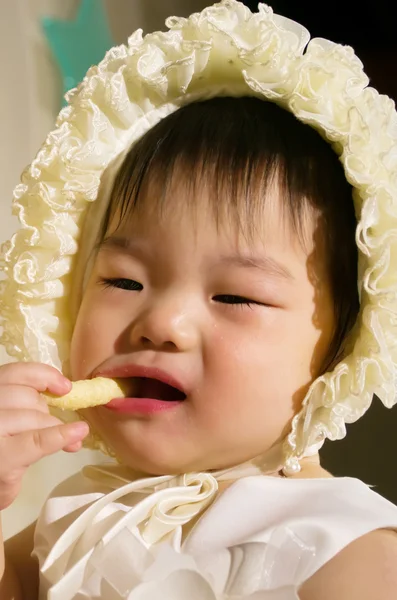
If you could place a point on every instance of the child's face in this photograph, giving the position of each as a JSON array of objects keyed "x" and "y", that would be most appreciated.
[{"x": 245, "y": 368}]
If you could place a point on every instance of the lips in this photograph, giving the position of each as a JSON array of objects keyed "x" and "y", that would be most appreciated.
[
  {"x": 146, "y": 382},
  {"x": 147, "y": 387}
]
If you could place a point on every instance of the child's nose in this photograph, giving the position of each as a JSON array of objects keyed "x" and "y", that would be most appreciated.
[{"x": 167, "y": 326}]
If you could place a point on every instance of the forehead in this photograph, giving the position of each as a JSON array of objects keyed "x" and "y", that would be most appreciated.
[
  {"x": 244, "y": 206},
  {"x": 213, "y": 219}
]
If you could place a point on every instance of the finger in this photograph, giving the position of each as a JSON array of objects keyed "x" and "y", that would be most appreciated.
[
  {"x": 36, "y": 375},
  {"x": 73, "y": 447},
  {"x": 19, "y": 396},
  {"x": 13, "y": 422},
  {"x": 29, "y": 447}
]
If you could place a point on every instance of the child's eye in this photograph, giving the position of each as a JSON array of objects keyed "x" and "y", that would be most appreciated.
[
  {"x": 232, "y": 299},
  {"x": 122, "y": 283}
]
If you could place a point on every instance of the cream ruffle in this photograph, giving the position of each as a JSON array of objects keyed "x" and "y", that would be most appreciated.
[
  {"x": 225, "y": 50},
  {"x": 138, "y": 552}
]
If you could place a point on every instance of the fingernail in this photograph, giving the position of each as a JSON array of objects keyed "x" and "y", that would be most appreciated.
[
  {"x": 79, "y": 429},
  {"x": 66, "y": 383},
  {"x": 75, "y": 447}
]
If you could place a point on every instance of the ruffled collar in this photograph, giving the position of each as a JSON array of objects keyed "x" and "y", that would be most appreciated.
[
  {"x": 147, "y": 514},
  {"x": 175, "y": 500}
]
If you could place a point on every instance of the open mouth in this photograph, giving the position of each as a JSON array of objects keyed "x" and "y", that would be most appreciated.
[{"x": 147, "y": 387}]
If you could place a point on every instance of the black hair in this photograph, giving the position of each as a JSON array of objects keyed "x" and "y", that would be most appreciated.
[{"x": 239, "y": 146}]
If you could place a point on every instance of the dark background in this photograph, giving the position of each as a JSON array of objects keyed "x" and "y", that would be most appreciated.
[
  {"x": 369, "y": 450},
  {"x": 370, "y": 27}
]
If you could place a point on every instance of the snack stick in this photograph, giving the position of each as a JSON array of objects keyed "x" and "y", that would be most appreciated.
[{"x": 87, "y": 393}]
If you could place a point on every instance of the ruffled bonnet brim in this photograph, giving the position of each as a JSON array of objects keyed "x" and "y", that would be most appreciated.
[{"x": 224, "y": 50}]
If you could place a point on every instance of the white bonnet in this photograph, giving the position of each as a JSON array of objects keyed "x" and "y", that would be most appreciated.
[{"x": 224, "y": 50}]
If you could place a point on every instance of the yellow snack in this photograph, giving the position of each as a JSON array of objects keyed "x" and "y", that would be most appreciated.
[{"x": 88, "y": 393}]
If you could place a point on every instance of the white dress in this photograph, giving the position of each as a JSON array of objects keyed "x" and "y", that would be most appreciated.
[{"x": 101, "y": 535}]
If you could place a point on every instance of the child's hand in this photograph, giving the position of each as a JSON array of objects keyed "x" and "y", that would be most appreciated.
[{"x": 27, "y": 430}]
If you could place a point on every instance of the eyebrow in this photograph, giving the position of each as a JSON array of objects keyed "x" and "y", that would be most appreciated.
[
  {"x": 265, "y": 264},
  {"x": 114, "y": 242}
]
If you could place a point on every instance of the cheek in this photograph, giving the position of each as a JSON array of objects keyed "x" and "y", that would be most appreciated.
[
  {"x": 267, "y": 364},
  {"x": 92, "y": 343},
  {"x": 239, "y": 362},
  {"x": 248, "y": 389}
]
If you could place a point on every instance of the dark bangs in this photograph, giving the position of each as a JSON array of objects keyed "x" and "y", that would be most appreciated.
[{"x": 238, "y": 148}]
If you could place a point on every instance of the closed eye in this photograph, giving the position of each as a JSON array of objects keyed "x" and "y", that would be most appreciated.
[
  {"x": 232, "y": 299},
  {"x": 122, "y": 283}
]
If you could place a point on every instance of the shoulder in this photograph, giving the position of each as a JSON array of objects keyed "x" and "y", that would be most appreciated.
[{"x": 363, "y": 570}]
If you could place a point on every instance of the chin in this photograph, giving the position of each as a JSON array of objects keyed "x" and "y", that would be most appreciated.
[
  {"x": 151, "y": 465},
  {"x": 170, "y": 464},
  {"x": 158, "y": 459}
]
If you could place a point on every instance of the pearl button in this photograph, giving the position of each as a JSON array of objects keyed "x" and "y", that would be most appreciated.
[{"x": 291, "y": 467}]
